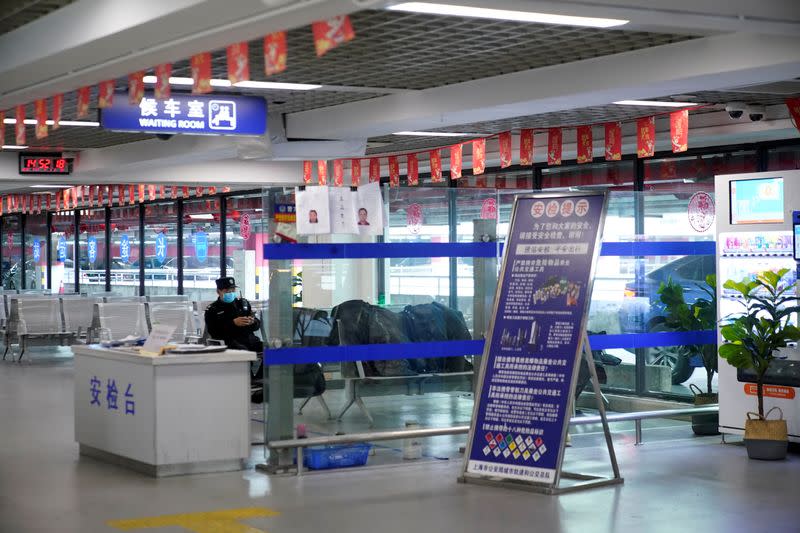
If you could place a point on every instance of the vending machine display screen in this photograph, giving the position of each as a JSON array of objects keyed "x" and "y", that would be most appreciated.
[{"x": 757, "y": 201}]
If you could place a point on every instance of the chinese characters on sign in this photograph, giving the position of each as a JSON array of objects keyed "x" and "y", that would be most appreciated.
[
  {"x": 91, "y": 249},
  {"x": 112, "y": 400},
  {"x": 124, "y": 248},
  {"x": 161, "y": 248},
  {"x": 181, "y": 113},
  {"x": 701, "y": 211},
  {"x": 534, "y": 347}
]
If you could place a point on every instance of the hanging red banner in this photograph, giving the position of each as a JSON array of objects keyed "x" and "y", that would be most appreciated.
[
  {"x": 275, "y": 53},
  {"x": 38, "y": 204},
  {"x": 9, "y": 204},
  {"x": 794, "y": 111},
  {"x": 131, "y": 195},
  {"x": 105, "y": 94},
  {"x": 328, "y": 34},
  {"x": 238, "y": 62},
  {"x": 478, "y": 156},
  {"x": 505, "y": 149},
  {"x": 436, "y": 165},
  {"x": 19, "y": 127},
  {"x": 679, "y": 130},
  {"x": 198, "y": 192},
  {"x": 374, "y": 170},
  {"x": 307, "y": 172},
  {"x": 526, "y": 147},
  {"x": 201, "y": 73},
  {"x": 394, "y": 171},
  {"x": 338, "y": 172},
  {"x": 162, "y": 88},
  {"x": 185, "y": 192},
  {"x": 99, "y": 195},
  {"x": 413, "y": 170},
  {"x": 142, "y": 197},
  {"x": 135, "y": 87},
  {"x": 173, "y": 192},
  {"x": 24, "y": 203},
  {"x": 74, "y": 197},
  {"x": 554, "y": 146},
  {"x": 613, "y": 141},
  {"x": 456, "y": 155},
  {"x": 355, "y": 172},
  {"x": 585, "y": 144},
  {"x": 83, "y": 102},
  {"x": 58, "y": 104},
  {"x": 40, "y": 108},
  {"x": 226, "y": 189},
  {"x": 162, "y": 191},
  {"x": 646, "y": 137},
  {"x": 212, "y": 190},
  {"x": 49, "y": 202},
  {"x": 151, "y": 190},
  {"x": 322, "y": 172}
]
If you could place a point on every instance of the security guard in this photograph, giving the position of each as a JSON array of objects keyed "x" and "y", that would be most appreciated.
[{"x": 231, "y": 319}]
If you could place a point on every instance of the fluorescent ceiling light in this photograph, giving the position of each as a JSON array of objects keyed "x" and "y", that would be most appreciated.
[
  {"x": 43, "y": 186},
  {"x": 435, "y": 134},
  {"x": 203, "y": 216},
  {"x": 33, "y": 122},
  {"x": 504, "y": 14},
  {"x": 655, "y": 103},
  {"x": 276, "y": 85},
  {"x": 243, "y": 84},
  {"x": 13, "y": 147}
]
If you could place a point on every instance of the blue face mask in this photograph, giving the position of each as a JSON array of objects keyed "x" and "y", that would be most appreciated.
[{"x": 228, "y": 297}]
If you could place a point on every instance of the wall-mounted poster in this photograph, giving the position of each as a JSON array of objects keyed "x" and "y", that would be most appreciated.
[
  {"x": 343, "y": 210},
  {"x": 369, "y": 209},
  {"x": 313, "y": 211}
]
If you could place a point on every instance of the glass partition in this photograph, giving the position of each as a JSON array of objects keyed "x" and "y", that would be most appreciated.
[
  {"x": 201, "y": 248},
  {"x": 160, "y": 249},
  {"x": 92, "y": 242},
  {"x": 36, "y": 251},
  {"x": 245, "y": 235},
  {"x": 62, "y": 252},
  {"x": 124, "y": 244}
]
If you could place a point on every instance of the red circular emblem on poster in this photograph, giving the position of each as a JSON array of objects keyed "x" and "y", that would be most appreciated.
[
  {"x": 414, "y": 218},
  {"x": 244, "y": 226},
  {"x": 489, "y": 209},
  {"x": 701, "y": 211}
]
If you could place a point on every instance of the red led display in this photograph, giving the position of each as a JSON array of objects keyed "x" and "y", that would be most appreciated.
[{"x": 44, "y": 164}]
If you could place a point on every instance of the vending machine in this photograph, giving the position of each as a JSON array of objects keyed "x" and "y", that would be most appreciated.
[{"x": 758, "y": 228}]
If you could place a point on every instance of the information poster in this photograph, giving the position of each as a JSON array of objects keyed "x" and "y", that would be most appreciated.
[
  {"x": 313, "y": 215},
  {"x": 520, "y": 418}
]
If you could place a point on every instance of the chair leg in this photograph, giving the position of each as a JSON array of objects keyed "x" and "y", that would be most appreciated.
[
  {"x": 325, "y": 407},
  {"x": 300, "y": 411}
]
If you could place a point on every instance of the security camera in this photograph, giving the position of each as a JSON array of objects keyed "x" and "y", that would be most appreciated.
[
  {"x": 756, "y": 112},
  {"x": 736, "y": 109}
]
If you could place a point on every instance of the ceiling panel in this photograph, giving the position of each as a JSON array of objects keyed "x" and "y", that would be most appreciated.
[{"x": 17, "y": 13}]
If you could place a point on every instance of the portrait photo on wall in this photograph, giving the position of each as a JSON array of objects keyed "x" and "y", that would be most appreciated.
[{"x": 313, "y": 211}]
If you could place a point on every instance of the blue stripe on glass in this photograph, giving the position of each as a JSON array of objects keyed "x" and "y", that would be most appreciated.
[{"x": 381, "y": 352}]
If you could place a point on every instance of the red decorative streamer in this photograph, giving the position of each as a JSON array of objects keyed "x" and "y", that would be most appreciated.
[
  {"x": 322, "y": 172},
  {"x": 585, "y": 144},
  {"x": 455, "y": 161},
  {"x": 338, "y": 172},
  {"x": 105, "y": 94},
  {"x": 135, "y": 87},
  {"x": 613, "y": 141},
  {"x": 505, "y": 149},
  {"x": 526, "y": 147},
  {"x": 162, "y": 89},
  {"x": 374, "y": 170},
  {"x": 413, "y": 170},
  {"x": 646, "y": 137},
  {"x": 328, "y": 34},
  {"x": 355, "y": 172},
  {"x": 679, "y": 130},
  {"x": 478, "y": 156},
  {"x": 436, "y": 165},
  {"x": 238, "y": 62},
  {"x": 275, "y": 53},
  {"x": 554, "y": 146},
  {"x": 201, "y": 73}
]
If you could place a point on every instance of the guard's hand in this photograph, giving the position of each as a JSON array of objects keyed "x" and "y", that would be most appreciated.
[{"x": 242, "y": 321}]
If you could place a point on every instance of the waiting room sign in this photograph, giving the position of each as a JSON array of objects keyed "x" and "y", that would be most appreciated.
[{"x": 188, "y": 114}]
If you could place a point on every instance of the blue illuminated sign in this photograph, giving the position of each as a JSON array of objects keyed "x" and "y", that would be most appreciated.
[
  {"x": 91, "y": 249},
  {"x": 62, "y": 249},
  {"x": 201, "y": 247},
  {"x": 188, "y": 113},
  {"x": 161, "y": 248},
  {"x": 37, "y": 250},
  {"x": 124, "y": 248}
]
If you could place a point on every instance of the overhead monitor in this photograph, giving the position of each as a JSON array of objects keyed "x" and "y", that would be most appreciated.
[{"x": 757, "y": 201}]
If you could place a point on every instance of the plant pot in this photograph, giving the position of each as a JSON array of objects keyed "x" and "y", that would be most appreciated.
[
  {"x": 764, "y": 439},
  {"x": 707, "y": 424}
]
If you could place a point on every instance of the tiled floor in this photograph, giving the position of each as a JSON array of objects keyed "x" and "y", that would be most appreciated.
[{"x": 673, "y": 482}]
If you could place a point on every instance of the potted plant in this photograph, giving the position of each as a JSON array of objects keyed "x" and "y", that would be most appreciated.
[
  {"x": 700, "y": 315},
  {"x": 754, "y": 337}
]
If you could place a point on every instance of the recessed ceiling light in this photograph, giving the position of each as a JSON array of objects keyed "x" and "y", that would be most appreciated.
[
  {"x": 243, "y": 84},
  {"x": 655, "y": 103},
  {"x": 435, "y": 134},
  {"x": 504, "y": 14},
  {"x": 13, "y": 147},
  {"x": 43, "y": 186}
]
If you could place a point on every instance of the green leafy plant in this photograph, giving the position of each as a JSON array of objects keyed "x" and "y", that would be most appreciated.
[
  {"x": 700, "y": 315},
  {"x": 756, "y": 334}
]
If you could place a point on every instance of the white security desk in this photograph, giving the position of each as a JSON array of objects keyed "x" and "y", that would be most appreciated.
[{"x": 163, "y": 416}]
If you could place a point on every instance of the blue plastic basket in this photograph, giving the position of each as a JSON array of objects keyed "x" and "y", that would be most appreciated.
[{"x": 326, "y": 457}]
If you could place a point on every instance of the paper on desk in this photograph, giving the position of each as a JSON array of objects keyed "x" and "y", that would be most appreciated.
[{"x": 159, "y": 337}]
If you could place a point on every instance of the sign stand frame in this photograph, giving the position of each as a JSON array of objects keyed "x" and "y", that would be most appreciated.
[{"x": 584, "y": 481}]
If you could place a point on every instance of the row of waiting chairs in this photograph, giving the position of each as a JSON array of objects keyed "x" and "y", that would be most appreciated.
[{"x": 72, "y": 319}]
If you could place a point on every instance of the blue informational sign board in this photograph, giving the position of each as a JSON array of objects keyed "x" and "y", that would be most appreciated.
[
  {"x": 37, "y": 250},
  {"x": 91, "y": 249},
  {"x": 188, "y": 113},
  {"x": 124, "y": 248},
  {"x": 161, "y": 248},
  {"x": 201, "y": 246},
  {"x": 532, "y": 355},
  {"x": 61, "y": 249}
]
